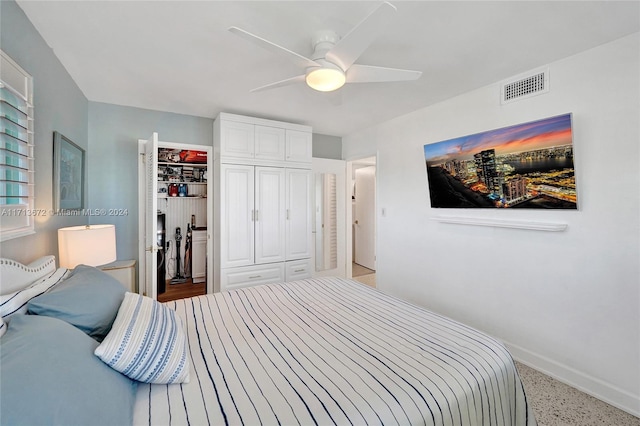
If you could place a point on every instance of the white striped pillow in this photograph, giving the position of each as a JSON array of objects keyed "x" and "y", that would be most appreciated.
[
  {"x": 16, "y": 303},
  {"x": 147, "y": 342}
]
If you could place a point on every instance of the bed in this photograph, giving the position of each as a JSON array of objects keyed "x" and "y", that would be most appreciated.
[{"x": 323, "y": 351}]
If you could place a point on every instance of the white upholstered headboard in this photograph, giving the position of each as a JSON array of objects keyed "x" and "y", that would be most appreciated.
[{"x": 15, "y": 276}]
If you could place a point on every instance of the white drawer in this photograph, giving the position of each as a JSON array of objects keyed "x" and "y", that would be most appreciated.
[
  {"x": 248, "y": 276},
  {"x": 297, "y": 270}
]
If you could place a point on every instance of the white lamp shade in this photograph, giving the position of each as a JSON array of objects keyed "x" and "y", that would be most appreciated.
[{"x": 91, "y": 245}]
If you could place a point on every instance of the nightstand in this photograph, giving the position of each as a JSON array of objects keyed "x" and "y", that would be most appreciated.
[{"x": 123, "y": 271}]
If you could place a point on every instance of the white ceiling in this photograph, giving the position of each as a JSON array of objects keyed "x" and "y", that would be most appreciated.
[{"x": 178, "y": 56}]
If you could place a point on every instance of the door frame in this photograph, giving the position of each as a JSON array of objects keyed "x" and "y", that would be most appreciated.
[
  {"x": 142, "y": 208},
  {"x": 142, "y": 212},
  {"x": 349, "y": 190},
  {"x": 364, "y": 208}
]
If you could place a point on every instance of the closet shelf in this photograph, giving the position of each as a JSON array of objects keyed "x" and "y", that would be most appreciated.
[
  {"x": 168, "y": 182},
  {"x": 502, "y": 223},
  {"x": 167, "y": 163},
  {"x": 188, "y": 197}
]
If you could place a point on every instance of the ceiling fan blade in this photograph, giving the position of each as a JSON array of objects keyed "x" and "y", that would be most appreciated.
[
  {"x": 288, "y": 81},
  {"x": 351, "y": 46},
  {"x": 369, "y": 74},
  {"x": 266, "y": 44}
]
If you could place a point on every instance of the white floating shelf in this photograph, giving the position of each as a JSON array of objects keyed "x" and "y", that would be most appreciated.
[{"x": 502, "y": 223}]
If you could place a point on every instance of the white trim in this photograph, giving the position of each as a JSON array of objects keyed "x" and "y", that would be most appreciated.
[
  {"x": 262, "y": 122},
  {"x": 17, "y": 232},
  {"x": 593, "y": 386}
]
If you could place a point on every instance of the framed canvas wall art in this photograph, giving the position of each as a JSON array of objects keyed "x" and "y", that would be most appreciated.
[{"x": 528, "y": 165}]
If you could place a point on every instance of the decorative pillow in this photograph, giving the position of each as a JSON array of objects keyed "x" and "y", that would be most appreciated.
[
  {"x": 16, "y": 303},
  {"x": 50, "y": 376},
  {"x": 89, "y": 299},
  {"x": 147, "y": 342}
]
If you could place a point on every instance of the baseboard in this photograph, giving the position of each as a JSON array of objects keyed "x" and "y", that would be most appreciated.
[{"x": 597, "y": 388}]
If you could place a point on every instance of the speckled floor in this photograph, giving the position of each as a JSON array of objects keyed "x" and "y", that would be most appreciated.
[{"x": 556, "y": 404}]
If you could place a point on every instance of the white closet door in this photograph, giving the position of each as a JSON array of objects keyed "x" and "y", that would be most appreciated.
[
  {"x": 269, "y": 143},
  {"x": 238, "y": 139},
  {"x": 299, "y": 225},
  {"x": 270, "y": 215},
  {"x": 237, "y": 212},
  {"x": 299, "y": 146}
]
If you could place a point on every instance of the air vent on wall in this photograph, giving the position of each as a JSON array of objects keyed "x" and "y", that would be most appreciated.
[{"x": 525, "y": 86}]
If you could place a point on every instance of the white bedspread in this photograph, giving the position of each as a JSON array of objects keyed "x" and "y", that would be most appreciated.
[{"x": 333, "y": 351}]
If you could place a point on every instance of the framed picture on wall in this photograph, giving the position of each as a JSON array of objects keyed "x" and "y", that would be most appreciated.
[
  {"x": 68, "y": 174},
  {"x": 526, "y": 166}
]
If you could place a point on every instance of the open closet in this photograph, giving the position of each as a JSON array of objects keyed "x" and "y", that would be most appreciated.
[{"x": 176, "y": 214}]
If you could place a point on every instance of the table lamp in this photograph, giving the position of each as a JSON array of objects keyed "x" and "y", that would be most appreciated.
[{"x": 92, "y": 245}]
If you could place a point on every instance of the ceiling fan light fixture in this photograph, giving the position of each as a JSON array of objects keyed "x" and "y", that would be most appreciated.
[
  {"x": 325, "y": 79},
  {"x": 333, "y": 58}
]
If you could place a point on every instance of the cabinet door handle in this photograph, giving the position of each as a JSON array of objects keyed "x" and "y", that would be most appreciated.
[
  {"x": 257, "y": 215},
  {"x": 299, "y": 270},
  {"x": 255, "y": 276},
  {"x": 288, "y": 214}
]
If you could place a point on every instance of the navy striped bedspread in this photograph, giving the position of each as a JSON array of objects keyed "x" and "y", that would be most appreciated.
[{"x": 333, "y": 351}]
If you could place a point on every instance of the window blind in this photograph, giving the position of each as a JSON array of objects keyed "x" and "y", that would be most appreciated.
[{"x": 16, "y": 150}]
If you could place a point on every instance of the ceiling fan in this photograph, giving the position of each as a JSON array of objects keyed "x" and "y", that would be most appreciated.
[{"x": 332, "y": 63}]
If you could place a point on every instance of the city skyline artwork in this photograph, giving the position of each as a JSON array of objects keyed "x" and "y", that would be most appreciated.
[{"x": 528, "y": 165}]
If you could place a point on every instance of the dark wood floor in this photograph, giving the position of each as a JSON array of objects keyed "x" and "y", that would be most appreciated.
[{"x": 181, "y": 291}]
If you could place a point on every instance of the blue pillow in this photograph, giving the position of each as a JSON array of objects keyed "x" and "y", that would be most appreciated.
[
  {"x": 89, "y": 299},
  {"x": 51, "y": 376}
]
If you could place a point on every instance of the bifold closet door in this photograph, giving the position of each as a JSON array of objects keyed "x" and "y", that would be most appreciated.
[
  {"x": 269, "y": 215},
  {"x": 151, "y": 223},
  {"x": 237, "y": 215}
]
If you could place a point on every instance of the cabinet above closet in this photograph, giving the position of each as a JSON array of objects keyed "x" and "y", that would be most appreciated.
[{"x": 250, "y": 140}]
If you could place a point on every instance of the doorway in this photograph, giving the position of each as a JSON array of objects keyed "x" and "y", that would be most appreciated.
[
  {"x": 174, "y": 264},
  {"x": 363, "y": 223}
]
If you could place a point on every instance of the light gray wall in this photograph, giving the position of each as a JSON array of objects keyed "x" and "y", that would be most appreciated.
[
  {"x": 325, "y": 146},
  {"x": 113, "y": 152},
  {"x": 567, "y": 303},
  {"x": 59, "y": 106},
  {"x": 113, "y": 149}
]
